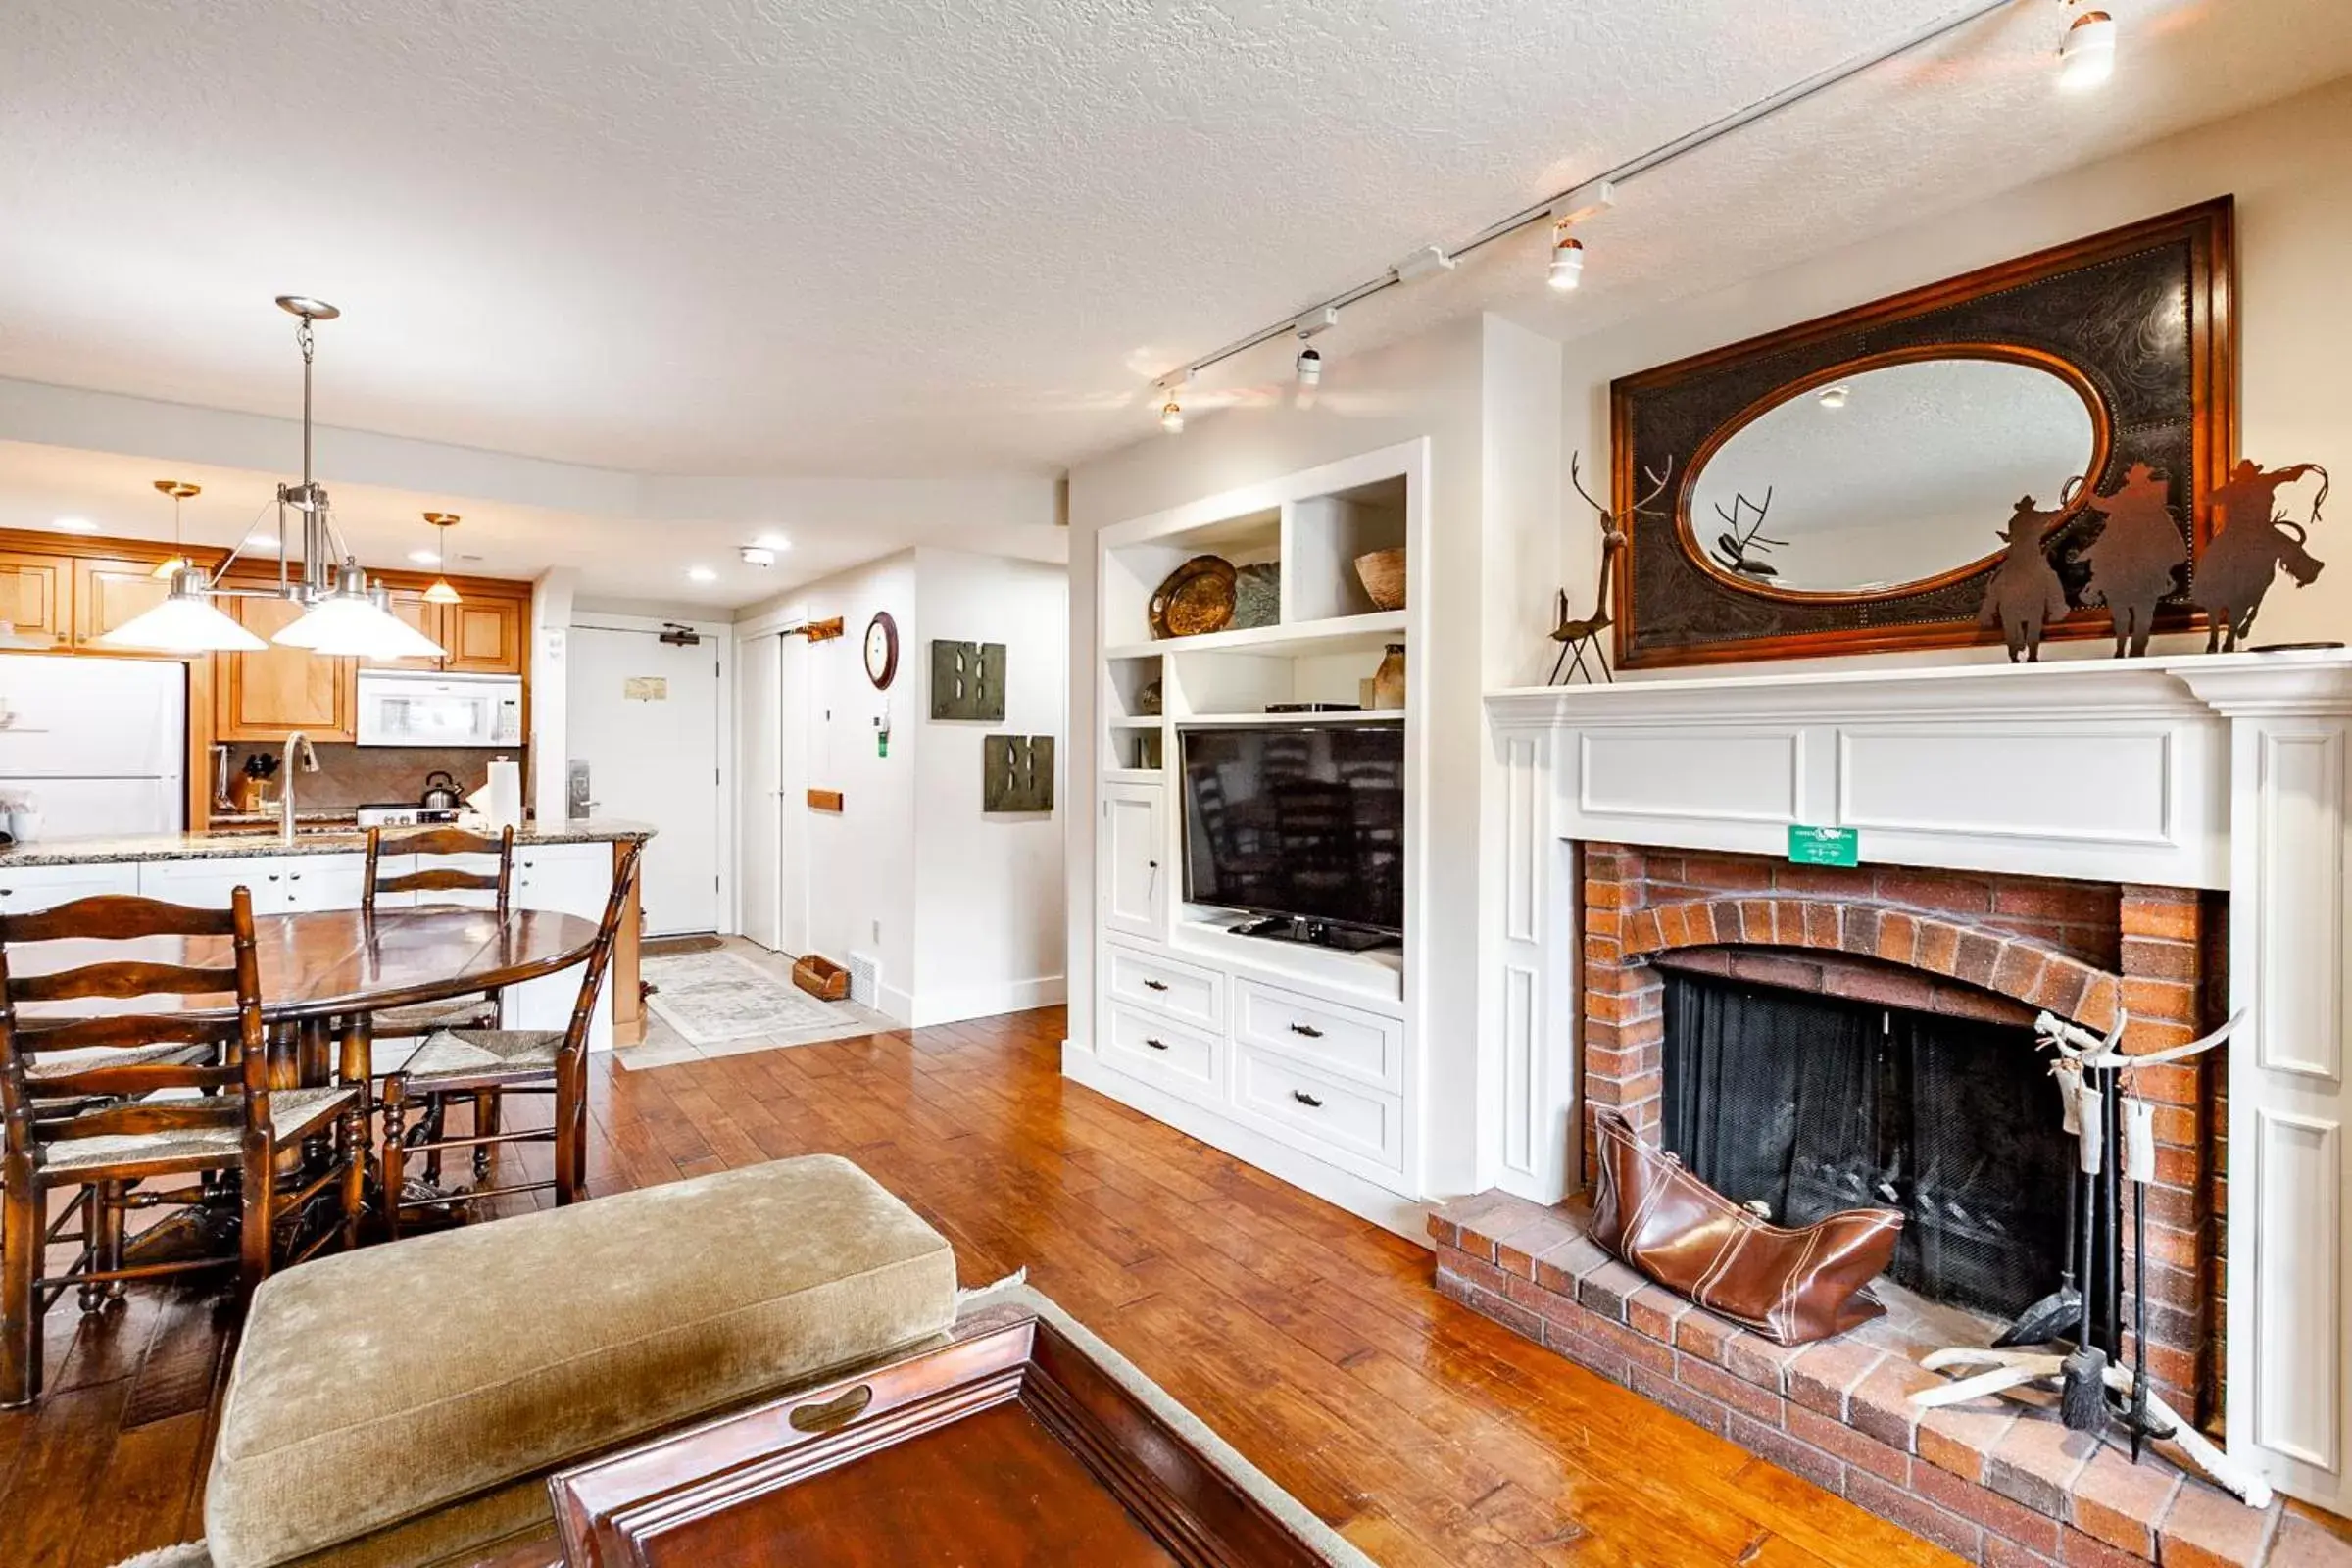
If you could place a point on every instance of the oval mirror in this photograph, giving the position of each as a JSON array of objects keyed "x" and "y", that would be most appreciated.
[{"x": 1871, "y": 479}]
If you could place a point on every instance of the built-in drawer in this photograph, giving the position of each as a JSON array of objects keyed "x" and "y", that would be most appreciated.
[
  {"x": 1156, "y": 1049},
  {"x": 1168, "y": 987},
  {"x": 1360, "y": 1046},
  {"x": 1361, "y": 1122}
]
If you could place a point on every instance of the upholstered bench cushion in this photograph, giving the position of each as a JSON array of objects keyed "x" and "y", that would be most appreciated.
[{"x": 377, "y": 1385}]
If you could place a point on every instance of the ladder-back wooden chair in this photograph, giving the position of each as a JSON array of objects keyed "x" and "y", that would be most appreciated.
[
  {"x": 105, "y": 1103},
  {"x": 478, "y": 1010},
  {"x": 506, "y": 1062}
]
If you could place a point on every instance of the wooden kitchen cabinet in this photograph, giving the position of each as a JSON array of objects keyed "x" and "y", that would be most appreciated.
[
  {"x": 36, "y": 593},
  {"x": 483, "y": 635},
  {"x": 409, "y": 605},
  {"x": 109, "y": 593},
  {"x": 269, "y": 695}
]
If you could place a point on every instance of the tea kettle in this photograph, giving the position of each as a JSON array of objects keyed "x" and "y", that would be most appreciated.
[{"x": 440, "y": 793}]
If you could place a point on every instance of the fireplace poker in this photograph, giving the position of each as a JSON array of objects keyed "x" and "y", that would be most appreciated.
[{"x": 2139, "y": 1164}]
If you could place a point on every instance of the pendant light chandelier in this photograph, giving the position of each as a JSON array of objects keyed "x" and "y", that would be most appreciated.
[
  {"x": 441, "y": 593},
  {"x": 179, "y": 490},
  {"x": 342, "y": 615}
]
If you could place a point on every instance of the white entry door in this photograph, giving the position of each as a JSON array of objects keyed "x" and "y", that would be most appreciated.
[
  {"x": 644, "y": 716},
  {"x": 792, "y": 794},
  {"x": 759, "y": 727}
]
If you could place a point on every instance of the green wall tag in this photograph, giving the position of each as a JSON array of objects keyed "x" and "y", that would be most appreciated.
[{"x": 1823, "y": 845}]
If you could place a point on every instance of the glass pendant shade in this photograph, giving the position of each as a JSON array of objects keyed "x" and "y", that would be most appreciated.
[
  {"x": 186, "y": 623},
  {"x": 349, "y": 625},
  {"x": 166, "y": 570},
  {"x": 441, "y": 593}
]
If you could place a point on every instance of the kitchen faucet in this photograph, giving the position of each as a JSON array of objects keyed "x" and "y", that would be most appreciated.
[{"x": 285, "y": 798}]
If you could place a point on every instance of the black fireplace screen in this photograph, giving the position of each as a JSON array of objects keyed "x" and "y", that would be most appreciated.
[{"x": 1810, "y": 1105}]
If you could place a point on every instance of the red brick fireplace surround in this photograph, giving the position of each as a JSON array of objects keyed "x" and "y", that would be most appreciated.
[{"x": 1987, "y": 1480}]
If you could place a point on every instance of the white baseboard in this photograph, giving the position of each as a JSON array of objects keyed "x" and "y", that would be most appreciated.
[
  {"x": 986, "y": 1002},
  {"x": 1390, "y": 1211}
]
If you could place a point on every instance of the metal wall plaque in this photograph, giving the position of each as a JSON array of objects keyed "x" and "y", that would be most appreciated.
[
  {"x": 967, "y": 681},
  {"x": 1018, "y": 774}
]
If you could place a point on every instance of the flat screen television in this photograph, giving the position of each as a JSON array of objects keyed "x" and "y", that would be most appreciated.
[{"x": 1304, "y": 821}]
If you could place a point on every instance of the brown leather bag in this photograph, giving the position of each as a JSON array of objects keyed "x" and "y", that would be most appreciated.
[{"x": 1793, "y": 1286}]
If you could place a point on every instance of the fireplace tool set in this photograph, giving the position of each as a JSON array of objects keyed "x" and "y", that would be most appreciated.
[{"x": 2114, "y": 1130}]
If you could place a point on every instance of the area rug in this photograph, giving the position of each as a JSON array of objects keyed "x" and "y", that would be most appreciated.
[
  {"x": 1332, "y": 1547},
  {"x": 712, "y": 997}
]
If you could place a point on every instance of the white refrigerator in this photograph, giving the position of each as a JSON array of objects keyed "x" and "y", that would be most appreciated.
[{"x": 99, "y": 745}]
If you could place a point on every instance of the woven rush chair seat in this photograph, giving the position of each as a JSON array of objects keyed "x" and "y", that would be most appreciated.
[
  {"x": 424, "y": 1017},
  {"x": 294, "y": 1114},
  {"x": 66, "y": 1064},
  {"x": 462, "y": 1059}
]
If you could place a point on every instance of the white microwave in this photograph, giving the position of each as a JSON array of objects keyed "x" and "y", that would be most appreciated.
[{"x": 401, "y": 707}]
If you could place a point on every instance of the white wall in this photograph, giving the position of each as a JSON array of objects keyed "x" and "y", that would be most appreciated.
[
  {"x": 551, "y": 692},
  {"x": 989, "y": 917},
  {"x": 2287, "y": 167},
  {"x": 967, "y": 906}
]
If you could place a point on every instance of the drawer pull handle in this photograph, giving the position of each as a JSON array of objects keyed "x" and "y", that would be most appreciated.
[
  {"x": 1154, "y": 1043},
  {"x": 832, "y": 1415},
  {"x": 1306, "y": 1029},
  {"x": 1155, "y": 985},
  {"x": 1306, "y": 1099}
]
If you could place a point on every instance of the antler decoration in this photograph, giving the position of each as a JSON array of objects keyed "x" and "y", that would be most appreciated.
[
  {"x": 1738, "y": 547},
  {"x": 1580, "y": 637}
]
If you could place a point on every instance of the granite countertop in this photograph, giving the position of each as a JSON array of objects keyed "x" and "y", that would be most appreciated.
[{"x": 307, "y": 841}]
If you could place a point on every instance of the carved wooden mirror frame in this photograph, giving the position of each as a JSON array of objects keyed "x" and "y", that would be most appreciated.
[{"x": 2073, "y": 311}]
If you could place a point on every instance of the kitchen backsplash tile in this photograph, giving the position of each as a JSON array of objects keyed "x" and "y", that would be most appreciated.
[{"x": 372, "y": 775}]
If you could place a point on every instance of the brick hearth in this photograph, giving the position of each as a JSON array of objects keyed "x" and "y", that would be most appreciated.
[{"x": 1996, "y": 1482}]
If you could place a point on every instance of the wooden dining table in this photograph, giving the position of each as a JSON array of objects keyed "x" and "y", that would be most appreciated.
[{"x": 323, "y": 973}]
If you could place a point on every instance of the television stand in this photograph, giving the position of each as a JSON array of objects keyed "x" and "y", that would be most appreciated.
[{"x": 1315, "y": 933}]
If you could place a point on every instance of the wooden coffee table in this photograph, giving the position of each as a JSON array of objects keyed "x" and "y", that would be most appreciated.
[{"x": 1005, "y": 1445}]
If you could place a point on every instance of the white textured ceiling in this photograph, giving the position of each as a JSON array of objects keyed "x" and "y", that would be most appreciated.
[{"x": 896, "y": 236}]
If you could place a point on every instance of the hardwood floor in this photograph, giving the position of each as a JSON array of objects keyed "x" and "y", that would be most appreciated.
[{"x": 1311, "y": 1339}]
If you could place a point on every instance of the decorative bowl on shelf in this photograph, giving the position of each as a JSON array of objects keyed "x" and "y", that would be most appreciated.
[
  {"x": 1383, "y": 575},
  {"x": 1194, "y": 599}
]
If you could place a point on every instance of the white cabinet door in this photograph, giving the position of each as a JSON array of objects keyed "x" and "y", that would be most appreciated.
[
  {"x": 207, "y": 884},
  {"x": 1130, "y": 882},
  {"x": 324, "y": 881},
  {"x": 25, "y": 889},
  {"x": 569, "y": 879}
]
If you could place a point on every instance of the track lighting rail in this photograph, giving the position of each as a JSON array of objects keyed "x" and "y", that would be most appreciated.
[{"x": 1641, "y": 164}]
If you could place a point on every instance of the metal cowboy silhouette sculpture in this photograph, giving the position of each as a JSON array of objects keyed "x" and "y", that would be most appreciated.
[
  {"x": 2025, "y": 594},
  {"x": 2136, "y": 558},
  {"x": 2252, "y": 540}
]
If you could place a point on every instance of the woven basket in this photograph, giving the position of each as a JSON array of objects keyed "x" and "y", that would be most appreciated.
[{"x": 1383, "y": 575}]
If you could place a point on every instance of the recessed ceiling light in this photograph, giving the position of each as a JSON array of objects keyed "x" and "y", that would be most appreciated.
[
  {"x": 701, "y": 574},
  {"x": 261, "y": 541},
  {"x": 426, "y": 557},
  {"x": 74, "y": 526},
  {"x": 772, "y": 541}
]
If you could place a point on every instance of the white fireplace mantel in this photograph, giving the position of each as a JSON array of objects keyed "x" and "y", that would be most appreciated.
[{"x": 2216, "y": 771}]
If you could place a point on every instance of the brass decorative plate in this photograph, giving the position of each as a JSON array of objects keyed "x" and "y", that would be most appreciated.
[{"x": 1194, "y": 599}]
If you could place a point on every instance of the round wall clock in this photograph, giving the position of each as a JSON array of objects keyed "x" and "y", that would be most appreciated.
[{"x": 881, "y": 649}]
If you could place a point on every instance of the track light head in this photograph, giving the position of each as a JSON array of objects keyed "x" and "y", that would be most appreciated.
[
  {"x": 1310, "y": 366},
  {"x": 1567, "y": 259},
  {"x": 1171, "y": 415},
  {"x": 2087, "y": 56}
]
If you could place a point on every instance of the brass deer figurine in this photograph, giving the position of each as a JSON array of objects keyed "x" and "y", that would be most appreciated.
[{"x": 1580, "y": 637}]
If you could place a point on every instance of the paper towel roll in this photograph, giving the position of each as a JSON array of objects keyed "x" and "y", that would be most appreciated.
[{"x": 503, "y": 803}]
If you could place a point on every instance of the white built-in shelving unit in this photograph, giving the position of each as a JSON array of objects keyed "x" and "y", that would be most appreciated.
[{"x": 1304, "y": 1060}]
